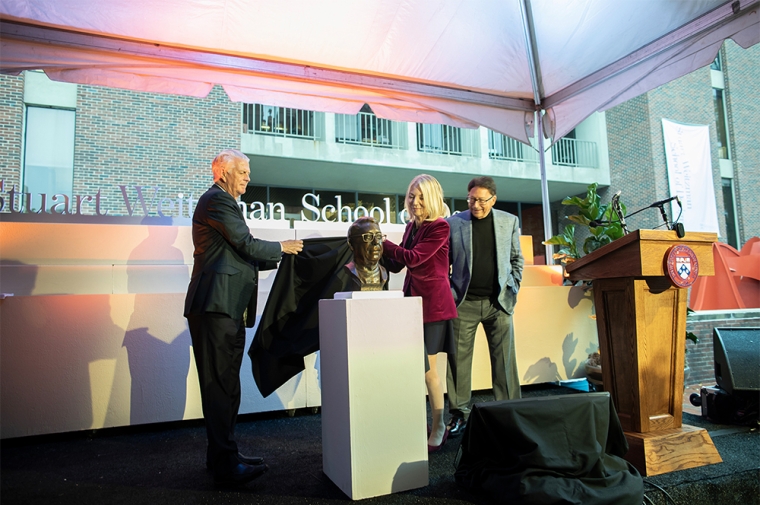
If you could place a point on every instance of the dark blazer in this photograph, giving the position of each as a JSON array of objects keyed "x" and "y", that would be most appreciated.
[
  {"x": 509, "y": 259},
  {"x": 427, "y": 268},
  {"x": 226, "y": 260}
]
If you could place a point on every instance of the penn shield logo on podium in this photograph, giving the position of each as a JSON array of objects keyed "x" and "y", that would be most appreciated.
[{"x": 682, "y": 266}]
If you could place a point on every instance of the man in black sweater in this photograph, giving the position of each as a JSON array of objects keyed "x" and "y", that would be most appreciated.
[{"x": 486, "y": 272}]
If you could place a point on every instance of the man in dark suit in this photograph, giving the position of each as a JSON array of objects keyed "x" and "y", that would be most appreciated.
[
  {"x": 220, "y": 304},
  {"x": 486, "y": 270}
]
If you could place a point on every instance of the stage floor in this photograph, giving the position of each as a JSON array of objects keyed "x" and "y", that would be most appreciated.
[{"x": 158, "y": 464}]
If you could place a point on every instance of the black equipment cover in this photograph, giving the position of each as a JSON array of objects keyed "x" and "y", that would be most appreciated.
[{"x": 565, "y": 449}]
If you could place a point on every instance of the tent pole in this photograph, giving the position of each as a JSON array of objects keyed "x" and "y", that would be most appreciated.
[
  {"x": 545, "y": 203},
  {"x": 534, "y": 65}
]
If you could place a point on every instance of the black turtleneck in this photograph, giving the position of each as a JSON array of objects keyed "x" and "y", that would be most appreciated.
[{"x": 484, "y": 283}]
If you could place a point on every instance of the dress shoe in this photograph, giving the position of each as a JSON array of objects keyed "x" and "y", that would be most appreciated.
[
  {"x": 248, "y": 460},
  {"x": 456, "y": 426},
  {"x": 436, "y": 448},
  {"x": 240, "y": 474},
  {"x": 251, "y": 460}
]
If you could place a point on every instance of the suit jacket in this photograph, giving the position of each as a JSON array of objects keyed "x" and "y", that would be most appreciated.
[
  {"x": 226, "y": 260},
  {"x": 509, "y": 259},
  {"x": 427, "y": 268}
]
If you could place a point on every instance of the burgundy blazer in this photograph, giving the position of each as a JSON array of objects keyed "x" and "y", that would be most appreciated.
[{"x": 427, "y": 268}]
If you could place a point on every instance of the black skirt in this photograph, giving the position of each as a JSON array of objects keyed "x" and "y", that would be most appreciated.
[{"x": 439, "y": 337}]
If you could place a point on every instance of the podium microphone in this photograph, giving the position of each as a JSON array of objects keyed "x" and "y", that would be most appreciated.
[{"x": 663, "y": 202}]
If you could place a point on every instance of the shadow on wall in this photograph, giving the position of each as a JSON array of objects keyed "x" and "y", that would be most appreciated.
[
  {"x": 157, "y": 339},
  {"x": 545, "y": 370},
  {"x": 290, "y": 395},
  {"x": 17, "y": 278},
  {"x": 57, "y": 351},
  {"x": 54, "y": 352},
  {"x": 579, "y": 293}
]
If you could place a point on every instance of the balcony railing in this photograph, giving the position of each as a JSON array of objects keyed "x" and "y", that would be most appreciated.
[
  {"x": 444, "y": 139},
  {"x": 280, "y": 121},
  {"x": 575, "y": 153},
  {"x": 501, "y": 147},
  {"x": 367, "y": 129}
]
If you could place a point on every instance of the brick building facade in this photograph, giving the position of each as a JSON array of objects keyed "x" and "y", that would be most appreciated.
[
  {"x": 699, "y": 356},
  {"x": 636, "y": 145},
  {"x": 11, "y": 129}
]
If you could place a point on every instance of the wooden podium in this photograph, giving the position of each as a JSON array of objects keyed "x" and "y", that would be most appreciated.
[{"x": 641, "y": 320}]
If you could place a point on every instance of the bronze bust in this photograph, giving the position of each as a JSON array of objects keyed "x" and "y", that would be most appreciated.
[{"x": 366, "y": 242}]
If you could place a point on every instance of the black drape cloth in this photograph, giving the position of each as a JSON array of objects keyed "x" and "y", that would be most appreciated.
[
  {"x": 560, "y": 450},
  {"x": 289, "y": 326}
]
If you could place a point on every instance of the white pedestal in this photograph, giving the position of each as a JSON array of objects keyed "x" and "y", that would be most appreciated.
[{"x": 374, "y": 435}]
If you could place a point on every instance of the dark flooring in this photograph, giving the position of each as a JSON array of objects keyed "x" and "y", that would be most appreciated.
[{"x": 165, "y": 464}]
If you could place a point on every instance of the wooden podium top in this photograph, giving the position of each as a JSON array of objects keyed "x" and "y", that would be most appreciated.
[{"x": 642, "y": 254}]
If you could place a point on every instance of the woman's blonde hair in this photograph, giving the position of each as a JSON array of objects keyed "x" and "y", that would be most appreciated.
[{"x": 432, "y": 194}]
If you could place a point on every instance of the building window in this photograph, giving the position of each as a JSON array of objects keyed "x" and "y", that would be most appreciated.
[
  {"x": 732, "y": 235},
  {"x": 367, "y": 129},
  {"x": 279, "y": 121},
  {"x": 721, "y": 127},
  {"x": 382, "y": 207},
  {"x": 48, "y": 175},
  {"x": 717, "y": 64},
  {"x": 571, "y": 152},
  {"x": 437, "y": 138},
  {"x": 444, "y": 139},
  {"x": 501, "y": 147}
]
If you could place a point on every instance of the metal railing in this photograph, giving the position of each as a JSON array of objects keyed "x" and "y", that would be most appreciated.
[
  {"x": 444, "y": 139},
  {"x": 575, "y": 153},
  {"x": 501, "y": 147},
  {"x": 280, "y": 121},
  {"x": 367, "y": 129}
]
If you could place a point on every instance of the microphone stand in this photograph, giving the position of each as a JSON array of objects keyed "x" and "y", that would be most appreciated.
[
  {"x": 619, "y": 211},
  {"x": 664, "y": 215},
  {"x": 615, "y": 204},
  {"x": 678, "y": 227}
]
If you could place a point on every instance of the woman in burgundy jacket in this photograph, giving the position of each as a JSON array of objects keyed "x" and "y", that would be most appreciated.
[{"x": 425, "y": 254}]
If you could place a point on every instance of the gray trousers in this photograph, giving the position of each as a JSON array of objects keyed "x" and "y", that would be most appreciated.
[{"x": 501, "y": 345}]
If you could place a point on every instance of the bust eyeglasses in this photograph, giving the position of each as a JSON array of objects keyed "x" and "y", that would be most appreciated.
[
  {"x": 372, "y": 237},
  {"x": 481, "y": 201}
]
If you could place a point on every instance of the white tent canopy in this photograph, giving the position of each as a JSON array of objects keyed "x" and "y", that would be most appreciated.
[{"x": 459, "y": 62}]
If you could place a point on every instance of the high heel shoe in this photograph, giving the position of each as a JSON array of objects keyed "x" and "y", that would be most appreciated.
[{"x": 436, "y": 448}]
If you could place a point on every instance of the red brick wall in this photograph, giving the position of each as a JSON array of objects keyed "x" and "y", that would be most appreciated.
[
  {"x": 11, "y": 128},
  {"x": 130, "y": 138},
  {"x": 700, "y": 355}
]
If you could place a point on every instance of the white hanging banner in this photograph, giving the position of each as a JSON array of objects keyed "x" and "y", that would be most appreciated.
[{"x": 687, "y": 155}]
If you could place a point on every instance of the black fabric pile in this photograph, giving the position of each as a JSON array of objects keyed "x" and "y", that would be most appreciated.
[{"x": 559, "y": 450}]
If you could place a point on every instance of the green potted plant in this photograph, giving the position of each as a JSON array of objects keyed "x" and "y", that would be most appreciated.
[{"x": 599, "y": 219}]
